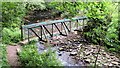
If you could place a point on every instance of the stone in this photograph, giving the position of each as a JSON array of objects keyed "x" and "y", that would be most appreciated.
[
  {"x": 81, "y": 54},
  {"x": 110, "y": 64},
  {"x": 87, "y": 60},
  {"x": 61, "y": 49},
  {"x": 106, "y": 64},
  {"x": 74, "y": 40},
  {"x": 79, "y": 45},
  {"x": 54, "y": 43},
  {"x": 114, "y": 62},
  {"x": 70, "y": 50},
  {"x": 67, "y": 47},
  {"x": 107, "y": 56},
  {"x": 18, "y": 50},
  {"x": 74, "y": 47},
  {"x": 94, "y": 47},
  {"x": 84, "y": 57},
  {"x": 111, "y": 55},
  {"x": 63, "y": 46},
  {"x": 102, "y": 50},
  {"x": 87, "y": 53},
  {"x": 109, "y": 60},
  {"x": 41, "y": 46},
  {"x": 73, "y": 53},
  {"x": 86, "y": 47},
  {"x": 67, "y": 50},
  {"x": 75, "y": 32},
  {"x": 104, "y": 53},
  {"x": 60, "y": 54},
  {"x": 98, "y": 60},
  {"x": 61, "y": 42}
]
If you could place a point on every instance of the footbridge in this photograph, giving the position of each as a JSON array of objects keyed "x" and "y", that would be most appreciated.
[{"x": 48, "y": 29}]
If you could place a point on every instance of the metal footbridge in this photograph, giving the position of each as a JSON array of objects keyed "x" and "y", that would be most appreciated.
[{"x": 48, "y": 29}]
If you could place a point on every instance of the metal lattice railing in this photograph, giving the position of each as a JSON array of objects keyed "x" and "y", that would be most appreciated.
[{"x": 44, "y": 30}]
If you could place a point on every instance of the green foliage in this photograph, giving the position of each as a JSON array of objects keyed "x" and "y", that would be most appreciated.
[
  {"x": 35, "y": 5},
  {"x": 3, "y": 56},
  {"x": 69, "y": 9},
  {"x": 103, "y": 25},
  {"x": 12, "y": 13},
  {"x": 30, "y": 57},
  {"x": 112, "y": 36},
  {"x": 105, "y": 28},
  {"x": 10, "y": 35}
]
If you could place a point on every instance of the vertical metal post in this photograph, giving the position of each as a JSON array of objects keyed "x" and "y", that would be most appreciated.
[
  {"x": 44, "y": 35},
  {"x": 83, "y": 23},
  {"x": 70, "y": 25},
  {"x": 52, "y": 30},
  {"x": 21, "y": 31},
  {"x": 58, "y": 28},
  {"x": 47, "y": 31},
  {"x": 66, "y": 27},
  {"x": 28, "y": 36},
  {"x": 41, "y": 32},
  {"x": 77, "y": 24},
  {"x": 61, "y": 26}
]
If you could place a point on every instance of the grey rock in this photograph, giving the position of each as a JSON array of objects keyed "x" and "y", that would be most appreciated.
[
  {"x": 40, "y": 46},
  {"x": 73, "y": 53},
  {"x": 87, "y": 60},
  {"x": 61, "y": 49},
  {"x": 114, "y": 62},
  {"x": 110, "y": 64}
]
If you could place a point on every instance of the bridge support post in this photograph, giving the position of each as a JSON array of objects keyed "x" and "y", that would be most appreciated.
[
  {"x": 66, "y": 26},
  {"x": 28, "y": 36},
  {"x": 21, "y": 31},
  {"x": 52, "y": 30}
]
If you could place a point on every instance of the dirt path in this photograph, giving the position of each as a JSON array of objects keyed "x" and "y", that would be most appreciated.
[{"x": 12, "y": 55}]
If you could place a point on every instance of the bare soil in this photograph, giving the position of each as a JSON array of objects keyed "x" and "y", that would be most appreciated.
[{"x": 12, "y": 56}]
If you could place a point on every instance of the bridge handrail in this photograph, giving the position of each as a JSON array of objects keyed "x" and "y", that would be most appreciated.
[{"x": 52, "y": 22}]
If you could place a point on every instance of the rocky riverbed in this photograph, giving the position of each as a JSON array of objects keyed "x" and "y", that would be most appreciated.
[{"x": 72, "y": 51}]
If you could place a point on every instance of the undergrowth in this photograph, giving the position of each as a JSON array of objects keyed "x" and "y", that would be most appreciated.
[
  {"x": 10, "y": 35},
  {"x": 29, "y": 56},
  {"x": 3, "y": 57}
]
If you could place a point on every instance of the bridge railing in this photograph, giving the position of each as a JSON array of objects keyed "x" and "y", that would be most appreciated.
[{"x": 44, "y": 30}]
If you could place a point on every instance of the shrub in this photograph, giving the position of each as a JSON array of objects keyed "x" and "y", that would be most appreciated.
[
  {"x": 30, "y": 6},
  {"x": 12, "y": 13},
  {"x": 30, "y": 57},
  {"x": 10, "y": 35},
  {"x": 105, "y": 30},
  {"x": 3, "y": 57}
]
